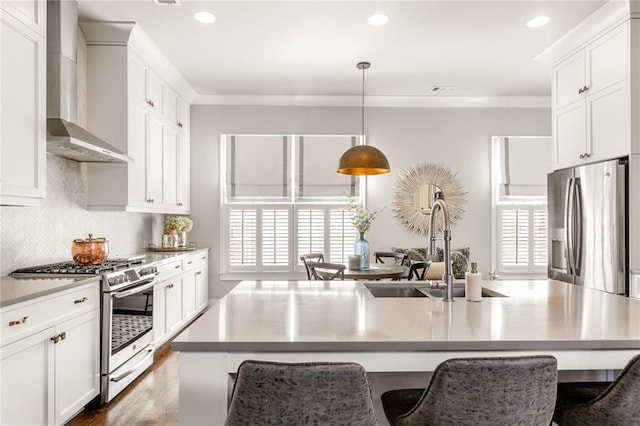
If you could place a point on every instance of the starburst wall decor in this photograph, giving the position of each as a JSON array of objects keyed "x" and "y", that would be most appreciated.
[{"x": 411, "y": 199}]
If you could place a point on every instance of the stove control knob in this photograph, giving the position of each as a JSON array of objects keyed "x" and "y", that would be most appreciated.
[{"x": 111, "y": 281}]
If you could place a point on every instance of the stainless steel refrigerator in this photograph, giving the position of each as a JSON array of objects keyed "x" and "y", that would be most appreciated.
[{"x": 587, "y": 226}]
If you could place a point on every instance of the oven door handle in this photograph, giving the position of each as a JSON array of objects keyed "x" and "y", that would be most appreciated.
[
  {"x": 139, "y": 364},
  {"x": 138, "y": 289}
]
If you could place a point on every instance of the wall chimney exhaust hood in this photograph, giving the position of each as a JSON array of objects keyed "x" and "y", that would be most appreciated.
[
  {"x": 68, "y": 140},
  {"x": 65, "y": 138}
]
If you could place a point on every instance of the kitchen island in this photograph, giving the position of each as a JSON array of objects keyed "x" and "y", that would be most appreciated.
[{"x": 294, "y": 321}]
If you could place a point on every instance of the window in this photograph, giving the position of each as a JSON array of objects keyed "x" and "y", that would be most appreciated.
[
  {"x": 519, "y": 204},
  {"x": 281, "y": 198}
]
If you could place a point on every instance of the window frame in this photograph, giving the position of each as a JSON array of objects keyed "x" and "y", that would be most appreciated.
[
  {"x": 294, "y": 269},
  {"x": 529, "y": 271}
]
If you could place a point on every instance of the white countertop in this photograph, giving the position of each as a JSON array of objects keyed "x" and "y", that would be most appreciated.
[
  {"x": 17, "y": 289},
  {"x": 344, "y": 316}
]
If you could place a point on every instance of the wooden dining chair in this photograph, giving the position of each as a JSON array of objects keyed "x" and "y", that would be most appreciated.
[
  {"x": 390, "y": 257},
  {"x": 334, "y": 271},
  {"x": 313, "y": 257},
  {"x": 418, "y": 270}
]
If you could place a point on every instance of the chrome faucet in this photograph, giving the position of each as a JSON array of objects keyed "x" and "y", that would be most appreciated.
[{"x": 439, "y": 204}]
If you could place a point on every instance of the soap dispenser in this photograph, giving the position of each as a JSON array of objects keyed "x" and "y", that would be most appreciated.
[{"x": 473, "y": 283}]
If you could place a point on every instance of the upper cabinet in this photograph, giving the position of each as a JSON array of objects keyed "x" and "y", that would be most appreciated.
[
  {"x": 132, "y": 104},
  {"x": 23, "y": 108},
  {"x": 592, "y": 100}
]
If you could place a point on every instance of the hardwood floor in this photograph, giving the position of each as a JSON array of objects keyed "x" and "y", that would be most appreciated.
[{"x": 152, "y": 399}]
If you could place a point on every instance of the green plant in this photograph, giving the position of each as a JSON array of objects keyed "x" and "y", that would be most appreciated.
[
  {"x": 178, "y": 223},
  {"x": 361, "y": 217}
]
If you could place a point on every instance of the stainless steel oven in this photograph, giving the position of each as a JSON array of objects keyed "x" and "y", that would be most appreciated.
[{"x": 127, "y": 327}]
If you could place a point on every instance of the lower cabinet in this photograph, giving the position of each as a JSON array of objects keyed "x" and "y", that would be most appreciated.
[
  {"x": 167, "y": 309},
  {"x": 49, "y": 376},
  {"x": 178, "y": 300}
]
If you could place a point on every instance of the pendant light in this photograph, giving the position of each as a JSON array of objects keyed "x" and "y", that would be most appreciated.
[{"x": 363, "y": 159}]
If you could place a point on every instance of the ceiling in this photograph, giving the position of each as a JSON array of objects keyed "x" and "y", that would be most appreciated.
[{"x": 310, "y": 48}]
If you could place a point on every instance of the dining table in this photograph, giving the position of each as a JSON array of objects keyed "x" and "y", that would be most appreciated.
[{"x": 374, "y": 272}]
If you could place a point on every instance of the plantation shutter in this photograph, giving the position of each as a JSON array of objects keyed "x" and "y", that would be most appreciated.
[
  {"x": 242, "y": 237},
  {"x": 522, "y": 238},
  {"x": 310, "y": 232},
  {"x": 275, "y": 237},
  {"x": 342, "y": 235}
]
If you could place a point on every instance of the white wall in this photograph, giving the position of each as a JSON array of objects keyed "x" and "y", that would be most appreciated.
[{"x": 459, "y": 138}]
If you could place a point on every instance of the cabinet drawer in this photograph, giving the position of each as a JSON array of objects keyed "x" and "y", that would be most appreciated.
[
  {"x": 168, "y": 269},
  {"x": 32, "y": 316},
  {"x": 195, "y": 261}
]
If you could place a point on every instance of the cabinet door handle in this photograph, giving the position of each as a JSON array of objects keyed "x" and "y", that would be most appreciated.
[
  {"x": 180, "y": 124},
  {"x": 170, "y": 285},
  {"x": 583, "y": 89},
  {"x": 179, "y": 204},
  {"x": 84, "y": 299},
  {"x": 150, "y": 102},
  {"x": 149, "y": 200},
  {"x": 199, "y": 273},
  {"x": 176, "y": 267},
  {"x": 582, "y": 156},
  {"x": 58, "y": 337},
  {"x": 18, "y": 322},
  {"x": 190, "y": 262},
  {"x": 587, "y": 154}
]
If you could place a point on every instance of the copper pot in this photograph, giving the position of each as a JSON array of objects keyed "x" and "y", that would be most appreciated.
[{"x": 92, "y": 251}]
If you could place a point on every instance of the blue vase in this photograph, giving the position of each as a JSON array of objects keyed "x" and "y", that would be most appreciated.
[{"x": 362, "y": 248}]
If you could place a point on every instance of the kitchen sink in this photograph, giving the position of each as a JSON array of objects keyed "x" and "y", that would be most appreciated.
[
  {"x": 394, "y": 290},
  {"x": 417, "y": 290}
]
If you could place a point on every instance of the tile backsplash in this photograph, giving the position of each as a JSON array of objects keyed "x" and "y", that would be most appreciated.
[{"x": 31, "y": 236}]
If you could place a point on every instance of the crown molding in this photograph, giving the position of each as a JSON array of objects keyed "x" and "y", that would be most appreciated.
[{"x": 378, "y": 101}]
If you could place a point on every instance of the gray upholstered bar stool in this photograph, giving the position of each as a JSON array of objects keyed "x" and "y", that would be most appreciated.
[
  {"x": 479, "y": 391},
  {"x": 319, "y": 393},
  {"x": 601, "y": 403}
]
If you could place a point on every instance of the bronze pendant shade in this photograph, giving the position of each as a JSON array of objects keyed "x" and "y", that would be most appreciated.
[{"x": 363, "y": 159}]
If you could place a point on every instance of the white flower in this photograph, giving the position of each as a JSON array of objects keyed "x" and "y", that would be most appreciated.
[
  {"x": 360, "y": 217},
  {"x": 178, "y": 223}
]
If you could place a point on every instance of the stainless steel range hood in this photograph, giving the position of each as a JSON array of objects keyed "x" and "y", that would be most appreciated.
[{"x": 65, "y": 138}]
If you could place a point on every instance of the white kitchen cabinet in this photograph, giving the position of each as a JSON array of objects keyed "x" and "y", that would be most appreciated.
[
  {"x": 23, "y": 105},
  {"x": 145, "y": 85},
  {"x": 181, "y": 294},
  {"x": 170, "y": 160},
  {"x": 128, "y": 105},
  {"x": 77, "y": 365},
  {"x": 197, "y": 276},
  {"x": 591, "y": 102},
  {"x": 50, "y": 356},
  {"x": 184, "y": 156},
  {"x": 167, "y": 309}
]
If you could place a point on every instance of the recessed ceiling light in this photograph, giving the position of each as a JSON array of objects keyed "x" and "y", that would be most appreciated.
[
  {"x": 205, "y": 17},
  {"x": 378, "y": 19},
  {"x": 538, "y": 21}
]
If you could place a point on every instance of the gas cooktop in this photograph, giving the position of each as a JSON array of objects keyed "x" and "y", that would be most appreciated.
[{"x": 66, "y": 269}]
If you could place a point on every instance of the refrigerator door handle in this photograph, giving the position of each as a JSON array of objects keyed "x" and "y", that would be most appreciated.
[
  {"x": 577, "y": 240},
  {"x": 568, "y": 226}
]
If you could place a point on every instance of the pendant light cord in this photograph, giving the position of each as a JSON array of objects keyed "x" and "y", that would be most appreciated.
[{"x": 363, "y": 101}]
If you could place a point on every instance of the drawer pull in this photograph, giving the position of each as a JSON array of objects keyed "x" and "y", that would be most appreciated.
[
  {"x": 18, "y": 322},
  {"x": 190, "y": 262},
  {"x": 199, "y": 273},
  {"x": 176, "y": 267},
  {"x": 84, "y": 299},
  {"x": 150, "y": 102},
  {"x": 170, "y": 285},
  {"x": 180, "y": 124}
]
